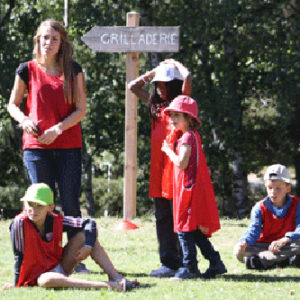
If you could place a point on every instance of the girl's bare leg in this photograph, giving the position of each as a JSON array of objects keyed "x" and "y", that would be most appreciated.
[
  {"x": 101, "y": 258},
  {"x": 53, "y": 279},
  {"x": 69, "y": 261},
  {"x": 98, "y": 254}
]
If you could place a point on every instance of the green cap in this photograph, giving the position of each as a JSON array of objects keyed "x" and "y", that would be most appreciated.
[{"x": 39, "y": 193}]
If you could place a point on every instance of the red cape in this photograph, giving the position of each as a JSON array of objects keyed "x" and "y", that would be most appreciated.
[{"x": 196, "y": 205}]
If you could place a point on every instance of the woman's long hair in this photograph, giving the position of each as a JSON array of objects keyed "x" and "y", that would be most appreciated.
[
  {"x": 64, "y": 57},
  {"x": 173, "y": 87}
]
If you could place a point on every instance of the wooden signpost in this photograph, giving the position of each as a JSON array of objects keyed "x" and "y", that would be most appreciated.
[{"x": 132, "y": 39}]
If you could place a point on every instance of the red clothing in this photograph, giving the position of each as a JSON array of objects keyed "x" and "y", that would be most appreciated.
[
  {"x": 275, "y": 228},
  {"x": 160, "y": 182},
  {"x": 46, "y": 106},
  {"x": 40, "y": 256},
  {"x": 194, "y": 201}
]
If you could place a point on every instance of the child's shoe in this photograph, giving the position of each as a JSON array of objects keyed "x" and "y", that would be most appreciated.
[
  {"x": 295, "y": 260},
  {"x": 81, "y": 268},
  {"x": 253, "y": 262},
  {"x": 216, "y": 267},
  {"x": 185, "y": 273},
  {"x": 163, "y": 271},
  {"x": 128, "y": 285}
]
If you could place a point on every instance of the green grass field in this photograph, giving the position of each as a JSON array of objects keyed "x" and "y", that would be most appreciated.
[{"x": 134, "y": 254}]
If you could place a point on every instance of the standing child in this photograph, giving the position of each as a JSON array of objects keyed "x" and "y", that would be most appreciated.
[
  {"x": 195, "y": 211},
  {"x": 41, "y": 260},
  {"x": 169, "y": 79},
  {"x": 273, "y": 237}
]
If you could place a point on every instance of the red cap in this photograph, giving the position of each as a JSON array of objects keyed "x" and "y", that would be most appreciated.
[{"x": 184, "y": 104}]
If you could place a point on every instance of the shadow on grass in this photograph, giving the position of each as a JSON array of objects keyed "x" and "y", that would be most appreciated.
[
  {"x": 142, "y": 286},
  {"x": 260, "y": 278},
  {"x": 124, "y": 274}
]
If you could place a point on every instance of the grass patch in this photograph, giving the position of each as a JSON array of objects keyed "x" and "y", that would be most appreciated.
[{"x": 134, "y": 253}]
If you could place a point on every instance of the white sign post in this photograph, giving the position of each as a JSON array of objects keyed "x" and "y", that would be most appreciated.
[{"x": 132, "y": 39}]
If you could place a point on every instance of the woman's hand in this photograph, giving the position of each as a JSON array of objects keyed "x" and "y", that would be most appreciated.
[
  {"x": 50, "y": 135},
  {"x": 28, "y": 126}
]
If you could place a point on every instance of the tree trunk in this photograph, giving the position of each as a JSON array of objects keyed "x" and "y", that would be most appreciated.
[
  {"x": 240, "y": 185},
  {"x": 297, "y": 169},
  {"x": 236, "y": 110},
  {"x": 228, "y": 206},
  {"x": 295, "y": 136}
]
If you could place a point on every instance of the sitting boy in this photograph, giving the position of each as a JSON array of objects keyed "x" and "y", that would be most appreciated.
[
  {"x": 273, "y": 237},
  {"x": 40, "y": 259}
]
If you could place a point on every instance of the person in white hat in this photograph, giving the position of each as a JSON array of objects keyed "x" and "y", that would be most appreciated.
[
  {"x": 170, "y": 79},
  {"x": 273, "y": 237}
]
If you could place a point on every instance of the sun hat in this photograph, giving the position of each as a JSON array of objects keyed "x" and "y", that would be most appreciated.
[
  {"x": 277, "y": 172},
  {"x": 184, "y": 104},
  {"x": 39, "y": 193},
  {"x": 166, "y": 72}
]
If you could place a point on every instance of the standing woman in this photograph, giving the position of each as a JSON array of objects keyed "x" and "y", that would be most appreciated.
[
  {"x": 169, "y": 80},
  {"x": 55, "y": 105}
]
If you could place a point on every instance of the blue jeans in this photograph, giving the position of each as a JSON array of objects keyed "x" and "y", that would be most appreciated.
[
  {"x": 188, "y": 242},
  {"x": 62, "y": 166},
  {"x": 169, "y": 248}
]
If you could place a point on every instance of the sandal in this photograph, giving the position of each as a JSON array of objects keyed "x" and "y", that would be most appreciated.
[{"x": 128, "y": 284}]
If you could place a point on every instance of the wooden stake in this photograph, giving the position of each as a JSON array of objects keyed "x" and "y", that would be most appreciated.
[{"x": 130, "y": 168}]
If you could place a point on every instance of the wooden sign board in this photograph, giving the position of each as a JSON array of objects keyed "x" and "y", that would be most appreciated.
[{"x": 133, "y": 39}]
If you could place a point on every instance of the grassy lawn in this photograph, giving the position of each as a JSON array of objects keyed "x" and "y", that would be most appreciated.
[{"x": 134, "y": 254}]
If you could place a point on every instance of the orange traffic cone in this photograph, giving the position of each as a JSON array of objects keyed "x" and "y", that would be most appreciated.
[{"x": 125, "y": 225}]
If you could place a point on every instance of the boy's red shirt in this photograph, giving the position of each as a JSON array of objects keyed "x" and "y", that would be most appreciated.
[
  {"x": 39, "y": 256},
  {"x": 275, "y": 228}
]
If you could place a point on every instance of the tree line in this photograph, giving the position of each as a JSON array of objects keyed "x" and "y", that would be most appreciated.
[{"x": 244, "y": 59}]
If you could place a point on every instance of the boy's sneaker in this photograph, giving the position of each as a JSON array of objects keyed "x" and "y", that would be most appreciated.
[
  {"x": 284, "y": 263},
  {"x": 214, "y": 270},
  {"x": 295, "y": 260},
  {"x": 163, "y": 271},
  {"x": 253, "y": 262},
  {"x": 81, "y": 268},
  {"x": 185, "y": 273}
]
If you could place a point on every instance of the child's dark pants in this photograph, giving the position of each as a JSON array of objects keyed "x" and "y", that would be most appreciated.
[{"x": 188, "y": 242}]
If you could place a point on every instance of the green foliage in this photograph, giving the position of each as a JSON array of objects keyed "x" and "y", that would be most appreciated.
[
  {"x": 244, "y": 58},
  {"x": 106, "y": 201},
  {"x": 10, "y": 200}
]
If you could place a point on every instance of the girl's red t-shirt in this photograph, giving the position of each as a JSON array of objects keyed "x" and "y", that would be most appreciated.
[{"x": 46, "y": 106}]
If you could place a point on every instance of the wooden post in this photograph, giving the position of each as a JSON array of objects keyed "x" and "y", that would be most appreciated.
[
  {"x": 130, "y": 167},
  {"x": 131, "y": 39}
]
